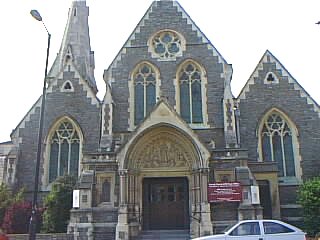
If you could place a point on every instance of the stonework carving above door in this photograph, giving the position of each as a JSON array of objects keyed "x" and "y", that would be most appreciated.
[{"x": 163, "y": 150}]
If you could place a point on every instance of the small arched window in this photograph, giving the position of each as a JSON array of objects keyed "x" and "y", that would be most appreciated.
[
  {"x": 190, "y": 81},
  {"x": 105, "y": 193},
  {"x": 64, "y": 150},
  {"x": 271, "y": 78},
  {"x": 144, "y": 80},
  {"x": 67, "y": 87},
  {"x": 277, "y": 144}
]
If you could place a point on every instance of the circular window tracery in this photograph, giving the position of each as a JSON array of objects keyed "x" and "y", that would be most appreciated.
[{"x": 167, "y": 45}]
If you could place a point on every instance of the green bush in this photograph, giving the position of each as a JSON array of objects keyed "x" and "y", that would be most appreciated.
[
  {"x": 58, "y": 204},
  {"x": 309, "y": 198}
]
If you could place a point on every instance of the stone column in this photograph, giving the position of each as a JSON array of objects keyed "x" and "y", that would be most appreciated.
[
  {"x": 123, "y": 187},
  {"x": 122, "y": 229},
  {"x": 206, "y": 224},
  {"x": 195, "y": 212},
  {"x": 201, "y": 215},
  {"x": 133, "y": 205},
  {"x": 204, "y": 181}
]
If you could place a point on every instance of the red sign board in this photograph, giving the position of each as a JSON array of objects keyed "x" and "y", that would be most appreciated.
[{"x": 224, "y": 192}]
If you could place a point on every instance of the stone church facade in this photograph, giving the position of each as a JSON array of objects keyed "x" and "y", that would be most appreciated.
[{"x": 167, "y": 127}]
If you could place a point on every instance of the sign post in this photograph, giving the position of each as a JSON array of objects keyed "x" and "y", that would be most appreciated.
[
  {"x": 76, "y": 198},
  {"x": 224, "y": 192},
  {"x": 255, "y": 198}
]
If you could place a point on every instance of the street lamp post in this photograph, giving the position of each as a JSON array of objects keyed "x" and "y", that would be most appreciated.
[{"x": 33, "y": 220}]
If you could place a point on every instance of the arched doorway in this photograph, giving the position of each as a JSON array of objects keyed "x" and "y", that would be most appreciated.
[{"x": 163, "y": 182}]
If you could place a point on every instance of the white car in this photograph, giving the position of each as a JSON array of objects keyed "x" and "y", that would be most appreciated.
[{"x": 259, "y": 230}]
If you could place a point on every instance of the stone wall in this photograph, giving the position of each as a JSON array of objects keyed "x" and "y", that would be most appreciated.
[
  {"x": 78, "y": 105},
  {"x": 41, "y": 236},
  {"x": 165, "y": 15},
  {"x": 288, "y": 97}
]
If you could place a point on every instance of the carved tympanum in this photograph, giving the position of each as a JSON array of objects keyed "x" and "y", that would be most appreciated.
[{"x": 162, "y": 151}]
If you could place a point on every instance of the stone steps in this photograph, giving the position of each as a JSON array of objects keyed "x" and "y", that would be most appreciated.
[{"x": 164, "y": 234}]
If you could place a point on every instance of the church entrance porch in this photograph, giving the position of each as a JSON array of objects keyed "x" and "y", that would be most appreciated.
[
  {"x": 163, "y": 181},
  {"x": 165, "y": 203}
]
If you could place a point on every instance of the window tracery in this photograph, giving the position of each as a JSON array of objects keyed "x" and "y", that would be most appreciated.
[
  {"x": 167, "y": 45},
  {"x": 271, "y": 78},
  {"x": 64, "y": 151},
  {"x": 67, "y": 87},
  {"x": 278, "y": 145},
  {"x": 190, "y": 92},
  {"x": 144, "y": 82}
]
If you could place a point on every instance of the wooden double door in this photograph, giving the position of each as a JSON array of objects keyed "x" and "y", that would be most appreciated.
[{"x": 165, "y": 203}]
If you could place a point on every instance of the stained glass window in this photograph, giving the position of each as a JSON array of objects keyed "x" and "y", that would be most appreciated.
[
  {"x": 64, "y": 151},
  {"x": 167, "y": 45},
  {"x": 277, "y": 145},
  {"x": 144, "y": 79},
  {"x": 190, "y": 84}
]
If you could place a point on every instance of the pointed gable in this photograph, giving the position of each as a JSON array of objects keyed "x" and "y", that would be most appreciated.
[
  {"x": 75, "y": 45},
  {"x": 163, "y": 113},
  {"x": 70, "y": 72},
  {"x": 166, "y": 24},
  {"x": 270, "y": 71},
  {"x": 53, "y": 85},
  {"x": 163, "y": 10}
]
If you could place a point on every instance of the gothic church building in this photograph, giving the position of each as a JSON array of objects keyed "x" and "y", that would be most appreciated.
[{"x": 168, "y": 126}]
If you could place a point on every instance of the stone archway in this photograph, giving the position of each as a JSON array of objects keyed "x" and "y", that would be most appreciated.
[
  {"x": 163, "y": 151},
  {"x": 163, "y": 147}
]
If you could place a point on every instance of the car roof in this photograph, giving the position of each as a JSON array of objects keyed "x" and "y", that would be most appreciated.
[{"x": 275, "y": 221}]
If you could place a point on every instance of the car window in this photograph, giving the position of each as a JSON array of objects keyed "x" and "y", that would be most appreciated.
[
  {"x": 249, "y": 228},
  {"x": 228, "y": 228},
  {"x": 272, "y": 228}
]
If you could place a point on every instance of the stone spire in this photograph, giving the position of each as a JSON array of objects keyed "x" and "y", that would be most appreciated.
[{"x": 75, "y": 45}]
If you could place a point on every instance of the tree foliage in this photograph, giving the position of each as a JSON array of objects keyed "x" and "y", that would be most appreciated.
[
  {"x": 309, "y": 198},
  {"x": 7, "y": 199},
  {"x": 58, "y": 204},
  {"x": 16, "y": 219}
]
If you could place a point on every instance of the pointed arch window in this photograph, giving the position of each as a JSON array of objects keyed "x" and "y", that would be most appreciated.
[
  {"x": 271, "y": 78},
  {"x": 190, "y": 78},
  {"x": 277, "y": 144},
  {"x": 67, "y": 87},
  {"x": 144, "y": 84},
  {"x": 106, "y": 187},
  {"x": 64, "y": 153}
]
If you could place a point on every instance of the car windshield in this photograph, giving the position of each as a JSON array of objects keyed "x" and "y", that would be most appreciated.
[{"x": 228, "y": 228}]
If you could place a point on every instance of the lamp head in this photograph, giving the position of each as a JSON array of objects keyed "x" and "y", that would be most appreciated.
[{"x": 36, "y": 15}]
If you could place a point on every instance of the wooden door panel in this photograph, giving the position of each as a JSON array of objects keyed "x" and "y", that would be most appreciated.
[{"x": 165, "y": 203}]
